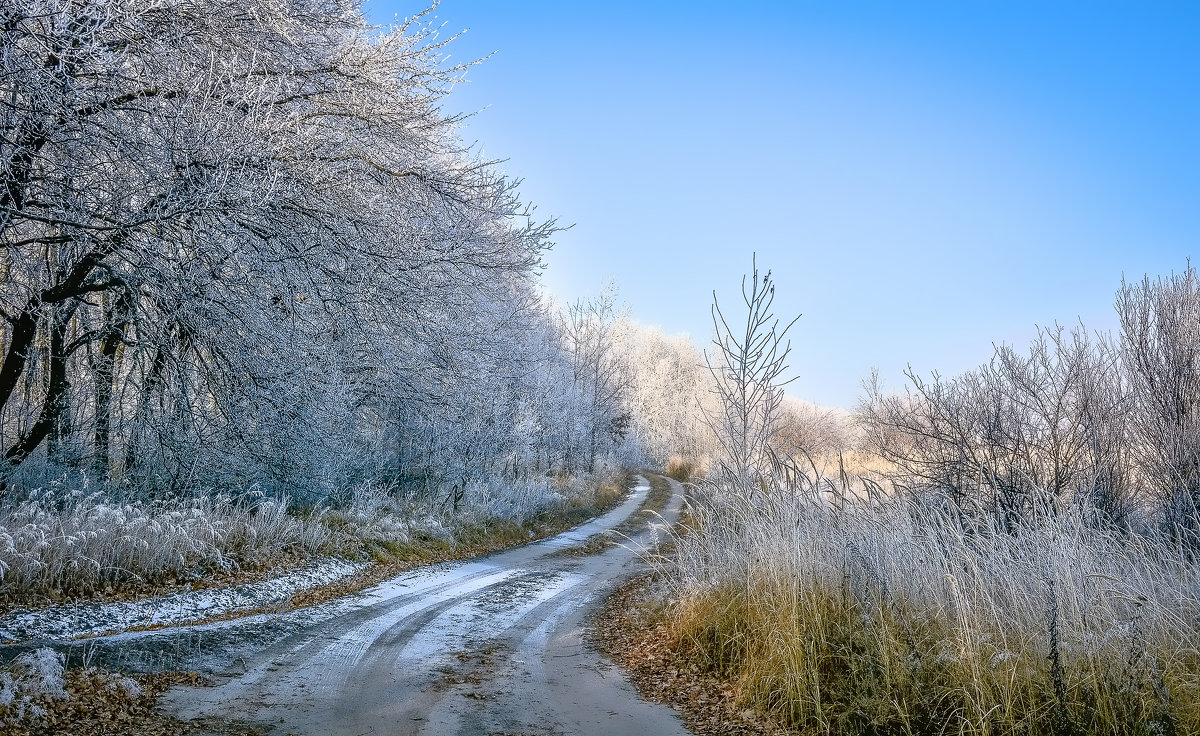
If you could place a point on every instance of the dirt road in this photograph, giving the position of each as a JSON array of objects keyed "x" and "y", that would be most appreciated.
[{"x": 491, "y": 646}]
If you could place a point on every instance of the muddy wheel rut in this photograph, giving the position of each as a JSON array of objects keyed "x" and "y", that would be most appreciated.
[{"x": 494, "y": 645}]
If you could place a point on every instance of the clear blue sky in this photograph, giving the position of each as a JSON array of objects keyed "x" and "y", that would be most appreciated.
[{"x": 924, "y": 179}]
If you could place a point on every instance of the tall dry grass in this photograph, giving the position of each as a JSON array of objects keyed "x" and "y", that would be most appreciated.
[
  {"x": 58, "y": 543},
  {"x": 913, "y": 615},
  {"x": 68, "y": 543},
  {"x": 684, "y": 468}
]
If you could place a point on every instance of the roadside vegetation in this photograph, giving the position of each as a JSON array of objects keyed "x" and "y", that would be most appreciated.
[
  {"x": 39, "y": 697},
  {"x": 1018, "y": 555},
  {"x": 922, "y": 616},
  {"x": 65, "y": 545}
]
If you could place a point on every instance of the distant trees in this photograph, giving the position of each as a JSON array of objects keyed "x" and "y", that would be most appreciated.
[
  {"x": 667, "y": 377},
  {"x": 805, "y": 429},
  {"x": 591, "y": 330}
]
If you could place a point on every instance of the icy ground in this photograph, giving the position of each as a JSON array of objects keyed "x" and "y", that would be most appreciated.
[
  {"x": 71, "y": 621},
  {"x": 496, "y": 644}
]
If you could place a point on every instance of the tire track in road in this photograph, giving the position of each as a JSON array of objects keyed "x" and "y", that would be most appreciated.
[{"x": 494, "y": 646}]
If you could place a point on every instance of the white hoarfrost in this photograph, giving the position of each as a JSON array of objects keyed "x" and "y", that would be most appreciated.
[
  {"x": 36, "y": 674},
  {"x": 67, "y": 622}
]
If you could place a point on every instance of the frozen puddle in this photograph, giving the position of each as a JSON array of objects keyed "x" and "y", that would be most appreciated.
[{"x": 73, "y": 621}]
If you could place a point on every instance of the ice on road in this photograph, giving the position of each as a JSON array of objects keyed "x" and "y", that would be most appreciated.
[{"x": 491, "y": 646}]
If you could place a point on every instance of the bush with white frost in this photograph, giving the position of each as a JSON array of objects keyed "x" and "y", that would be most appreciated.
[{"x": 32, "y": 676}]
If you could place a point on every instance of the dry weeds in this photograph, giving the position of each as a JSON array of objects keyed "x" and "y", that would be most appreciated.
[{"x": 631, "y": 629}]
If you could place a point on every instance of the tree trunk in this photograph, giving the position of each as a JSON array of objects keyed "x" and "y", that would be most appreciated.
[
  {"x": 101, "y": 440},
  {"x": 24, "y": 327},
  {"x": 57, "y": 386},
  {"x": 153, "y": 384}
]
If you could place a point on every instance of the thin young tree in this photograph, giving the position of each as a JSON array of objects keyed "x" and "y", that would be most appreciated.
[{"x": 748, "y": 367}]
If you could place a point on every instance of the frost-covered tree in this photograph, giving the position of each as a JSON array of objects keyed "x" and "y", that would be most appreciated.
[
  {"x": 1160, "y": 349},
  {"x": 600, "y": 378},
  {"x": 236, "y": 237},
  {"x": 666, "y": 378}
]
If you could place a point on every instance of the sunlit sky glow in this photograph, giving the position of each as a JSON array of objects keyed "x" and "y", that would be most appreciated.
[{"x": 924, "y": 179}]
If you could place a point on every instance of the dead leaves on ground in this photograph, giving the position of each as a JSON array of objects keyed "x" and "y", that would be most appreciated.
[
  {"x": 101, "y": 705},
  {"x": 626, "y": 631}
]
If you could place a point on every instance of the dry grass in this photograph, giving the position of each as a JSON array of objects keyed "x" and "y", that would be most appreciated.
[
  {"x": 915, "y": 617},
  {"x": 683, "y": 469},
  {"x": 634, "y": 630},
  {"x": 60, "y": 544}
]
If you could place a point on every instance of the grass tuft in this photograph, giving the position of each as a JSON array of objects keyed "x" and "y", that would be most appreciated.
[{"x": 681, "y": 468}]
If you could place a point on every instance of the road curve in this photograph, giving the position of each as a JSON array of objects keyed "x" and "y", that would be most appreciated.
[{"x": 491, "y": 646}]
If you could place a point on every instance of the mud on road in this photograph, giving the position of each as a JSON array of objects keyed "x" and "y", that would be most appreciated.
[{"x": 493, "y": 645}]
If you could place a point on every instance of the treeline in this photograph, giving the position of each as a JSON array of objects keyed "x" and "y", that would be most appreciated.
[
  {"x": 1112, "y": 423},
  {"x": 241, "y": 245}
]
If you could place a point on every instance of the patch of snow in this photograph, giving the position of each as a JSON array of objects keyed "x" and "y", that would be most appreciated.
[{"x": 73, "y": 621}]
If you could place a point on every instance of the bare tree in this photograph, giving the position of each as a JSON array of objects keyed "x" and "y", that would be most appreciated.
[
  {"x": 1160, "y": 340},
  {"x": 747, "y": 367},
  {"x": 590, "y": 329},
  {"x": 1049, "y": 420}
]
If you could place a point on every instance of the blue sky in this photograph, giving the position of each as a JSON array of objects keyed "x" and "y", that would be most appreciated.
[{"x": 924, "y": 179}]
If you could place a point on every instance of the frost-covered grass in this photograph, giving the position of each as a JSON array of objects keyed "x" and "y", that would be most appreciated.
[
  {"x": 65, "y": 543},
  {"x": 58, "y": 543},
  {"x": 915, "y": 616},
  {"x": 31, "y": 677},
  {"x": 38, "y": 696}
]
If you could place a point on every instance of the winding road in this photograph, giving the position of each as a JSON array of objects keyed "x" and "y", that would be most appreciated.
[{"x": 494, "y": 645}]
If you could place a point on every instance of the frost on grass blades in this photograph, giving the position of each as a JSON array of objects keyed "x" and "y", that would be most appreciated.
[
  {"x": 917, "y": 614},
  {"x": 32, "y": 676},
  {"x": 1020, "y": 558},
  {"x": 68, "y": 544}
]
